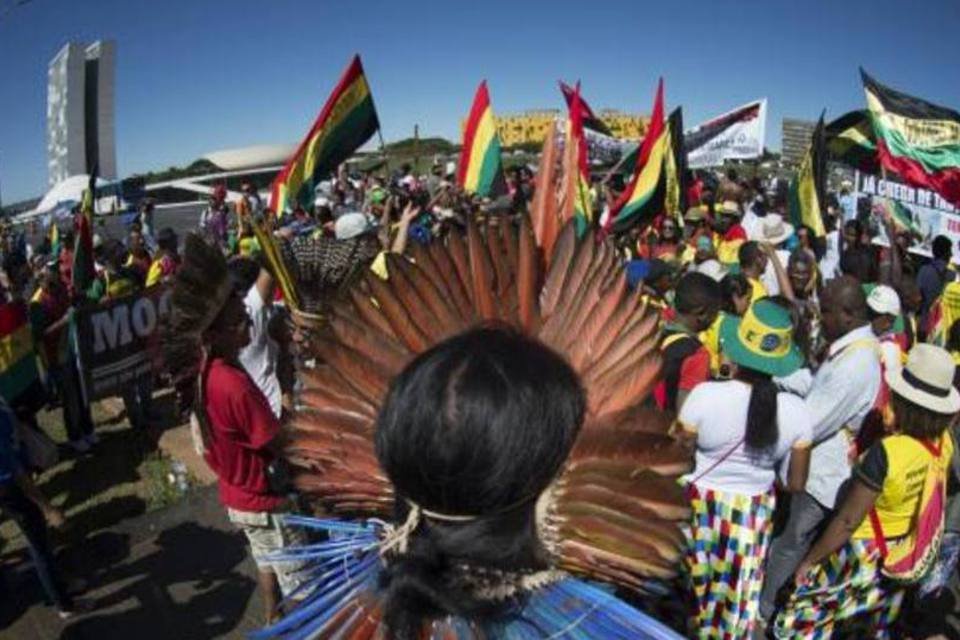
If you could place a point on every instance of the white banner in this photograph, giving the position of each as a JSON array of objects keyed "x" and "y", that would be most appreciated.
[{"x": 735, "y": 135}]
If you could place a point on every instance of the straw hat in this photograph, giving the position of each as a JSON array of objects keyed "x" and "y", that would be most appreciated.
[
  {"x": 774, "y": 229},
  {"x": 927, "y": 379},
  {"x": 762, "y": 340}
]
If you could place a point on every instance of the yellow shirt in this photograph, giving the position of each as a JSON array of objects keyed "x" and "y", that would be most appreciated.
[
  {"x": 711, "y": 342},
  {"x": 907, "y": 463},
  {"x": 728, "y": 252},
  {"x": 249, "y": 246},
  {"x": 154, "y": 273},
  {"x": 757, "y": 290}
]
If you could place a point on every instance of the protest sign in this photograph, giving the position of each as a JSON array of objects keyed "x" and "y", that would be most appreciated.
[
  {"x": 921, "y": 211},
  {"x": 119, "y": 340}
]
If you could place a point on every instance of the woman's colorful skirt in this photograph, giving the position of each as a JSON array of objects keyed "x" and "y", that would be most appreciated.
[
  {"x": 845, "y": 595},
  {"x": 727, "y": 547}
]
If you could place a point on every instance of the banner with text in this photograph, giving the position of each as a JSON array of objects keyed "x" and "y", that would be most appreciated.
[
  {"x": 735, "y": 135},
  {"x": 119, "y": 340},
  {"x": 921, "y": 212}
]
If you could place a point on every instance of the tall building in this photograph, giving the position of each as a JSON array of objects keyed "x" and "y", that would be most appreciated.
[{"x": 80, "y": 111}]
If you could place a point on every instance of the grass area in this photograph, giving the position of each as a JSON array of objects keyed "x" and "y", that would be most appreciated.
[{"x": 122, "y": 477}]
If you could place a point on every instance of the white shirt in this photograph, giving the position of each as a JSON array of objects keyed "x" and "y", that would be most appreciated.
[
  {"x": 718, "y": 413},
  {"x": 830, "y": 263},
  {"x": 769, "y": 275},
  {"x": 844, "y": 390},
  {"x": 752, "y": 224},
  {"x": 259, "y": 357},
  {"x": 890, "y": 354}
]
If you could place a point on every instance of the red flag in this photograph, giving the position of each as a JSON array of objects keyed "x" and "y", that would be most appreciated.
[{"x": 590, "y": 120}]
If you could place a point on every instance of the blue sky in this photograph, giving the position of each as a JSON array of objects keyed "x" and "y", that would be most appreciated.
[{"x": 199, "y": 75}]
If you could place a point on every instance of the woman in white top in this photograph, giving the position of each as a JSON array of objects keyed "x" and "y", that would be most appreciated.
[{"x": 744, "y": 428}]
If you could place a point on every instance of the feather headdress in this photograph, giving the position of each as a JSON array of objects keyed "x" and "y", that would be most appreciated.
[
  {"x": 614, "y": 511},
  {"x": 200, "y": 291}
]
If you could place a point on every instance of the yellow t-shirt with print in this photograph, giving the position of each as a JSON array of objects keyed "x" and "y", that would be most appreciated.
[{"x": 907, "y": 462}]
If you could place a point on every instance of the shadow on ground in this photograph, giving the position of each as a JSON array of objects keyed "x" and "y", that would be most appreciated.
[
  {"x": 172, "y": 592},
  {"x": 182, "y": 572}
]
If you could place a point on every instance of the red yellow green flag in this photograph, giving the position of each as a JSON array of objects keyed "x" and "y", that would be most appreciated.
[
  {"x": 346, "y": 122},
  {"x": 634, "y": 199},
  {"x": 578, "y": 201},
  {"x": 916, "y": 139},
  {"x": 660, "y": 187},
  {"x": 18, "y": 361},
  {"x": 480, "y": 169}
]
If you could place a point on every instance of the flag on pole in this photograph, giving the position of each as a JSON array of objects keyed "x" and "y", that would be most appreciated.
[
  {"x": 675, "y": 169},
  {"x": 577, "y": 200},
  {"x": 660, "y": 186},
  {"x": 480, "y": 169},
  {"x": 916, "y": 139},
  {"x": 850, "y": 141},
  {"x": 345, "y": 123},
  {"x": 587, "y": 117},
  {"x": 808, "y": 189},
  {"x": 640, "y": 191},
  {"x": 263, "y": 232},
  {"x": 84, "y": 273}
]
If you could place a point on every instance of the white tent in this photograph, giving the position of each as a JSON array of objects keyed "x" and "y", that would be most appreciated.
[{"x": 67, "y": 191}]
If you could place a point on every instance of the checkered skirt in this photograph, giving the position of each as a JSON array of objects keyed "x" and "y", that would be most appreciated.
[
  {"x": 727, "y": 543},
  {"x": 846, "y": 596}
]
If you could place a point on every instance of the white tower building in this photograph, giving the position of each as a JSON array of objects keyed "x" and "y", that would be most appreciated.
[{"x": 80, "y": 95}]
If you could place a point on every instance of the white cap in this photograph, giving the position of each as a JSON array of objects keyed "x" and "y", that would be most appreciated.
[
  {"x": 351, "y": 225},
  {"x": 884, "y": 300},
  {"x": 713, "y": 269}
]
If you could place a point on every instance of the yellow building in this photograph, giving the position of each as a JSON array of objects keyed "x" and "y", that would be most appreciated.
[
  {"x": 625, "y": 125},
  {"x": 532, "y": 126}
]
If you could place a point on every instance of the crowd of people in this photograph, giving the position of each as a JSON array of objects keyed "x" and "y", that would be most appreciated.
[{"x": 813, "y": 379}]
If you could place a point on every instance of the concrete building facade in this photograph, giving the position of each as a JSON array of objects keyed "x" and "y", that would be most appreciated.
[
  {"x": 795, "y": 140},
  {"x": 80, "y": 111}
]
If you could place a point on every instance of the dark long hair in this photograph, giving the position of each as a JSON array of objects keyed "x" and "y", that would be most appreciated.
[
  {"x": 762, "y": 430},
  {"x": 477, "y": 426}
]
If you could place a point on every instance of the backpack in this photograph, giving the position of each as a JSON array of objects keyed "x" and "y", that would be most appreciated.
[{"x": 907, "y": 560}]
